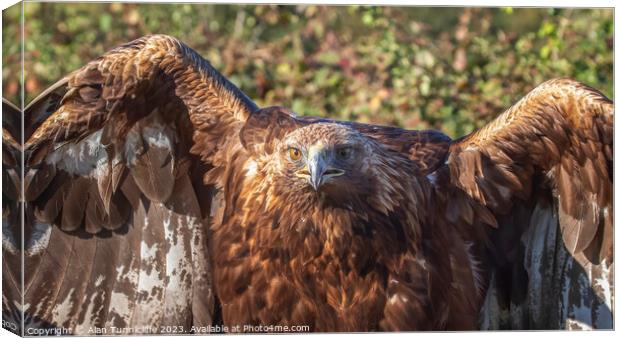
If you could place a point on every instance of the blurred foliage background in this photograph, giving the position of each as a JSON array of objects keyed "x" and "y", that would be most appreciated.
[{"x": 451, "y": 69}]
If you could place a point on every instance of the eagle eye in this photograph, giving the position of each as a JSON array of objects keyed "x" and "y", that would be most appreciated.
[
  {"x": 294, "y": 154},
  {"x": 344, "y": 153}
]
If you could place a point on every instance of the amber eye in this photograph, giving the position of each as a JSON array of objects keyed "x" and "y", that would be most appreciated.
[
  {"x": 344, "y": 153},
  {"x": 294, "y": 154}
]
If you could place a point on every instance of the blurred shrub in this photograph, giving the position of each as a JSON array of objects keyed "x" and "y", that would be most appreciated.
[{"x": 452, "y": 69}]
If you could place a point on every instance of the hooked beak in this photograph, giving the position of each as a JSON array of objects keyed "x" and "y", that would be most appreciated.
[{"x": 318, "y": 170}]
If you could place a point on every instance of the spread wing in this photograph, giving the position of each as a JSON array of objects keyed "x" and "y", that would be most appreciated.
[
  {"x": 542, "y": 173},
  {"x": 11, "y": 216},
  {"x": 114, "y": 180}
]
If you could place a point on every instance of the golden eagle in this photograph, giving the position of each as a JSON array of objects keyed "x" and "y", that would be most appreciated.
[{"x": 156, "y": 195}]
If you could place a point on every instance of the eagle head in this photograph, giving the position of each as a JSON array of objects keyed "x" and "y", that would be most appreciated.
[
  {"x": 325, "y": 159},
  {"x": 302, "y": 161}
]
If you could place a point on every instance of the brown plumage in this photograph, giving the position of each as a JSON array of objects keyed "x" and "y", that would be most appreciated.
[
  {"x": 11, "y": 216},
  {"x": 163, "y": 195}
]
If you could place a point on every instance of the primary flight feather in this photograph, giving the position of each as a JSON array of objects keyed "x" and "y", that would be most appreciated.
[{"x": 161, "y": 195}]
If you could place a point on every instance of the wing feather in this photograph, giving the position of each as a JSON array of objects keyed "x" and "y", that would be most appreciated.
[
  {"x": 109, "y": 157},
  {"x": 555, "y": 131},
  {"x": 11, "y": 217},
  {"x": 543, "y": 163}
]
